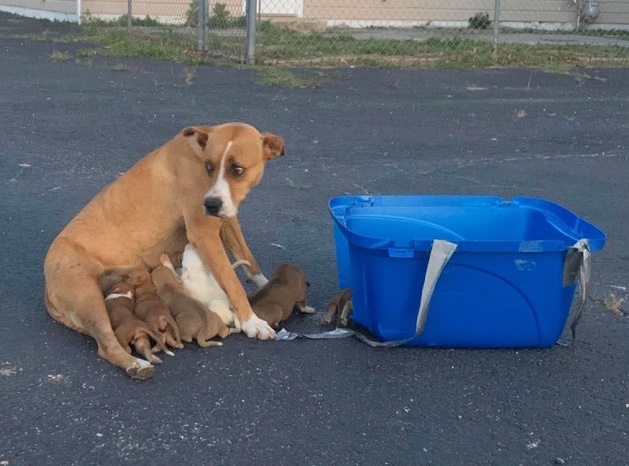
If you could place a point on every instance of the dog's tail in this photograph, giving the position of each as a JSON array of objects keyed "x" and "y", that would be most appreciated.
[{"x": 240, "y": 263}]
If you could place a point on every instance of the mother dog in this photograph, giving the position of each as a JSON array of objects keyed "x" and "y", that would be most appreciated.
[{"x": 188, "y": 190}]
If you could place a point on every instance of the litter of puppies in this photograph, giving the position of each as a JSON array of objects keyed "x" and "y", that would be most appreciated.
[{"x": 166, "y": 307}]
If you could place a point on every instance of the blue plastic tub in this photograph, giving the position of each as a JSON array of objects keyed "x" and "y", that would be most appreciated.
[{"x": 501, "y": 288}]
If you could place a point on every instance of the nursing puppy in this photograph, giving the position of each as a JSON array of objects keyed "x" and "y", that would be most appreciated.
[
  {"x": 187, "y": 191},
  {"x": 201, "y": 285},
  {"x": 150, "y": 308},
  {"x": 129, "y": 330},
  {"x": 195, "y": 320},
  {"x": 286, "y": 289}
]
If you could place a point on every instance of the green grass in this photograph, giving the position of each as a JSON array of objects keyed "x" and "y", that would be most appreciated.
[
  {"x": 283, "y": 78},
  {"x": 281, "y": 47}
]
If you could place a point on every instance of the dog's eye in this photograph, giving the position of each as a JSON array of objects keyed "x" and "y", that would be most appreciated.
[
  {"x": 237, "y": 170},
  {"x": 208, "y": 167}
]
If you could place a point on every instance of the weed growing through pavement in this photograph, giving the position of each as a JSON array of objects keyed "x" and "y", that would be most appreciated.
[{"x": 60, "y": 57}]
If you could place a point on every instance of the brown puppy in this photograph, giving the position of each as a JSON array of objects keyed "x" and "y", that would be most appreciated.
[
  {"x": 194, "y": 318},
  {"x": 129, "y": 330},
  {"x": 339, "y": 308},
  {"x": 150, "y": 308},
  {"x": 188, "y": 190},
  {"x": 286, "y": 289}
]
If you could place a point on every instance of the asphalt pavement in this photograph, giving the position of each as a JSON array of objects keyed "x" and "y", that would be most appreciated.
[{"x": 68, "y": 128}]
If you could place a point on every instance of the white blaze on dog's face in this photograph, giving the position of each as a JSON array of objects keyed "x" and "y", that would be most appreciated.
[{"x": 232, "y": 158}]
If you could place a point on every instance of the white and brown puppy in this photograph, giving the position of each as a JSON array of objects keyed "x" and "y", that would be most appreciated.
[
  {"x": 186, "y": 191},
  {"x": 285, "y": 291},
  {"x": 201, "y": 285}
]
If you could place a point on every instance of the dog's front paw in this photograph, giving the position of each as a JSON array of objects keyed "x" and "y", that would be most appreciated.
[{"x": 258, "y": 328}]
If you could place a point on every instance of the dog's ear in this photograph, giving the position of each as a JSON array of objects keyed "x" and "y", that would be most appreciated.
[
  {"x": 197, "y": 138},
  {"x": 272, "y": 145}
]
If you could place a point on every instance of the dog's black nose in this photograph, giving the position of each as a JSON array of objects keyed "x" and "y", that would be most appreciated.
[{"x": 212, "y": 205}]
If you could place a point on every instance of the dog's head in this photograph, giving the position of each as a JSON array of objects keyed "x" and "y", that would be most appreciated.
[{"x": 228, "y": 161}]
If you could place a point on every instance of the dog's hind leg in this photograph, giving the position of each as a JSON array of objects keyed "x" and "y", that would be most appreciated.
[
  {"x": 143, "y": 346},
  {"x": 304, "y": 308},
  {"x": 346, "y": 313},
  {"x": 170, "y": 331},
  {"x": 95, "y": 323},
  {"x": 332, "y": 311},
  {"x": 272, "y": 314},
  {"x": 74, "y": 298}
]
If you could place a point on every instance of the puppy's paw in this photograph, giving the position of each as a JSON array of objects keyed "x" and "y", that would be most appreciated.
[
  {"x": 258, "y": 328},
  {"x": 154, "y": 359},
  {"x": 140, "y": 370},
  {"x": 308, "y": 310}
]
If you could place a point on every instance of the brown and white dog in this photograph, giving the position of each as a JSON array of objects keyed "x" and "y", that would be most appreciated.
[
  {"x": 195, "y": 320},
  {"x": 129, "y": 330},
  {"x": 188, "y": 190},
  {"x": 285, "y": 290}
]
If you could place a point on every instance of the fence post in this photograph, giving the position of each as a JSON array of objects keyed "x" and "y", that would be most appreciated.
[
  {"x": 250, "y": 47},
  {"x": 128, "y": 14},
  {"x": 494, "y": 53},
  {"x": 202, "y": 26}
]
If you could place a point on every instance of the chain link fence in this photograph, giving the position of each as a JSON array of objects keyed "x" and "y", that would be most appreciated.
[{"x": 380, "y": 32}]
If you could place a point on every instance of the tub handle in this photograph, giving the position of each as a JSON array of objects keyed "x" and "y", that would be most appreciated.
[
  {"x": 577, "y": 268},
  {"x": 440, "y": 254}
]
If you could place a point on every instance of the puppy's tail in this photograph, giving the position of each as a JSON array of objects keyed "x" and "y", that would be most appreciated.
[
  {"x": 240, "y": 263},
  {"x": 206, "y": 343}
]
